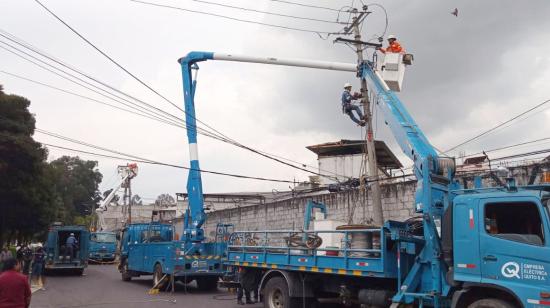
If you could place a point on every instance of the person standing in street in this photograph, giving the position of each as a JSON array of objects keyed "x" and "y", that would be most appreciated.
[
  {"x": 4, "y": 255},
  {"x": 37, "y": 267},
  {"x": 15, "y": 291},
  {"x": 26, "y": 253}
]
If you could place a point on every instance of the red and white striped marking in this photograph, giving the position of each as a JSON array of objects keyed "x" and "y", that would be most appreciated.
[
  {"x": 237, "y": 257},
  {"x": 302, "y": 260},
  {"x": 538, "y": 302},
  {"x": 464, "y": 265},
  {"x": 364, "y": 264},
  {"x": 471, "y": 218},
  {"x": 254, "y": 257}
]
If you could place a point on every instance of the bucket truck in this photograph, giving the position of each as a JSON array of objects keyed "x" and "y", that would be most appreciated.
[
  {"x": 470, "y": 247},
  {"x": 126, "y": 173}
]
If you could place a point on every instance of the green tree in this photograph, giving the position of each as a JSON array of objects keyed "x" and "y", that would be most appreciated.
[
  {"x": 25, "y": 194},
  {"x": 76, "y": 183}
]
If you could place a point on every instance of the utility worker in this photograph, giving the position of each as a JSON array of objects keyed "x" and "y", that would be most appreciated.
[
  {"x": 72, "y": 244},
  {"x": 348, "y": 107},
  {"x": 393, "y": 46}
]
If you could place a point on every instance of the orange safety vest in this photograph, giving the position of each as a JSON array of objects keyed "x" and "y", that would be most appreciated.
[{"x": 394, "y": 47}]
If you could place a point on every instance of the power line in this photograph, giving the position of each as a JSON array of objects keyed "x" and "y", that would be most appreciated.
[
  {"x": 307, "y": 5},
  {"x": 265, "y": 154},
  {"x": 268, "y": 12},
  {"x": 141, "y": 159},
  {"x": 107, "y": 56},
  {"x": 150, "y": 88},
  {"x": 86, "y": 97},
  {"x": 497, "y": 126},
  {"x": 508, "y": 147},
  {"x": 153, "y": 111},
  {"x": 237, "y": 19}
]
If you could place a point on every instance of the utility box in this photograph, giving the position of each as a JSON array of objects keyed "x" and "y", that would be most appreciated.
[
  {"x": 393, "y": 70},
  {"x": 329, "y": 239}
]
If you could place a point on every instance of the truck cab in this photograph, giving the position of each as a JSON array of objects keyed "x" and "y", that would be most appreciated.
[
  {"x": 58, "y": 257},
  {"x": 102, "y": 246},
  {"x": 500, "y": 245}
]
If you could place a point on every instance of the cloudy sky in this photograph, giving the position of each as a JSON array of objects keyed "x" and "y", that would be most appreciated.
[{"x": 470, "y": 73}]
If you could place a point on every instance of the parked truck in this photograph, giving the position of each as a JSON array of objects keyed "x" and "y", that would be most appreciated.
[
  {"x": 58, "y": 256},
  {"x": 152, "y": 249},
  {"x": 102, "y": 246},
  {"x": 469, "y": 246}
]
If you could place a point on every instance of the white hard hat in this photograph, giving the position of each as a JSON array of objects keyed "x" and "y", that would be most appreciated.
[
  {"x": 347, "y": 85},
  {"x": 72, "y": 234},
  {"x": 391, "y": 36}
]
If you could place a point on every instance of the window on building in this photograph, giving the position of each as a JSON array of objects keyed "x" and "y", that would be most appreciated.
[{"x": 520, "y": 222}]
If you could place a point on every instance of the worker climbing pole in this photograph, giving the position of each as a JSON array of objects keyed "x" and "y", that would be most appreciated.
[{"x": 372, "y": 178}]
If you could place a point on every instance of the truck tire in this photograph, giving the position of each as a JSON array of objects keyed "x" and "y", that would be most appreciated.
[
  {"x": 491, "y": 303},
  {"x": 276, "y": 295},
  {"x": 79, "y": 272},
  {"x": 207, "y": 283},
  {"x": 124, "y": 273},
  {"x": 158, "y": 282}
]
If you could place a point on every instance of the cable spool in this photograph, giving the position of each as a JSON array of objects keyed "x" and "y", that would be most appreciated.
[{"x": 358, "y": 240}]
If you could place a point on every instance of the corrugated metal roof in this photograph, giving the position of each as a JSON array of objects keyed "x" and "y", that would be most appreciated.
[{"x": 384, "y": 156}]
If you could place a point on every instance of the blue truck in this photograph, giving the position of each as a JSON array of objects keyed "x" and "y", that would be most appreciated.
[
  {"x": 58, "y": 257},
  {"x": 102, "y": 246},
  {"x": 468, "y": 247},
  {"x": 151, "y": 249}
]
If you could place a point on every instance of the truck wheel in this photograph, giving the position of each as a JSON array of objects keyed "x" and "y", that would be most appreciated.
[
  {"x": 158, "y": 281},
  {"x": 207, "y": 283},
  {"x": 124, "y": 273},
  {"x": 491, "y": 303},
  {"x": 79, "y": 272},
  {"x": 277, "y": 295}
]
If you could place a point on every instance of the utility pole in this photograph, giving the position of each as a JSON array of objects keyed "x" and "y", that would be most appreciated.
[{"x": 377, "y": 213}]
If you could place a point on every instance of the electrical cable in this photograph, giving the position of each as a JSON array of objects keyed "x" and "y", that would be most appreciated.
[
  {"x": 200, "y": 130},
  {"x": 150, "y": 112},
  {"x": 307, "y": 5},
  {"x": 237, "y": 19},
  {"x": 107, "y": 56},
  {"x": 165, "y": 164},
  {"x": 497, "y": 126},
  {"x": 266, "y": 12},
  {"x": 508, "y": 147}
]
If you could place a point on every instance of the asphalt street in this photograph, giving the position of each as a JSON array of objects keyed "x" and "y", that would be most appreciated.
[{"x": 101, "y": 286}]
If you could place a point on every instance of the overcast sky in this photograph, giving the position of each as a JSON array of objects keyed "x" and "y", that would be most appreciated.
[{"x": 470, "y": 73}]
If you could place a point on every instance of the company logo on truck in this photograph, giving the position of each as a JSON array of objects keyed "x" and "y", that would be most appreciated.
[{"x": 524, "y": 271}]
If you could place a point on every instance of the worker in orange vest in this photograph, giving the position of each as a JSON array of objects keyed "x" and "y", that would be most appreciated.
[{"x": 394, "y": 45}]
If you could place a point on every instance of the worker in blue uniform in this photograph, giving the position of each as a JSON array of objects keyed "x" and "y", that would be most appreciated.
[
  {"x": 348, "y": 107},
  {"x": 72, "y": 246}
]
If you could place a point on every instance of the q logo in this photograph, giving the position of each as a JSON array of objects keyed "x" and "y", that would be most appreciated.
[{"x": 510, "y": 269}]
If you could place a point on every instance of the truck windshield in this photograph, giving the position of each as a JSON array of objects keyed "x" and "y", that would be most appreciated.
[{"x": 103, "y": 238}]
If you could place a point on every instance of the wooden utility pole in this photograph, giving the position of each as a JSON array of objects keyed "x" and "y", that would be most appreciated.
[{"x": 372, "y": 165}]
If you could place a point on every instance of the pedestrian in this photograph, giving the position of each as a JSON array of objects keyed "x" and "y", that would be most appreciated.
[
  {"x": 15, "y": 291},
  {"x": 4, "y": 255},
  {"x": 393, "y": 45},
  {"x": 37, "y": 267},
  {"x": 71, "y": 244},
  {"x": 246, "y": 279},
  {"x": 27, "y": 257},
  {"x": 348, "y": 107}
]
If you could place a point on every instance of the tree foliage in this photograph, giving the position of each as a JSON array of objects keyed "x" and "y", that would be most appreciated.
[
  {"x": 165, "y": 200},
  {"x": 33, "y": 192}
]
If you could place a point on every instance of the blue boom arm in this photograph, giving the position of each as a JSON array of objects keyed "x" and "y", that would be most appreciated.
[
  {"x": 435, "y": 176},
  {"x": 195, "y": 216}
]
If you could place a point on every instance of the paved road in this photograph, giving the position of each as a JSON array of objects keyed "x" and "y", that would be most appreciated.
[{"x": 101, "y": 287}]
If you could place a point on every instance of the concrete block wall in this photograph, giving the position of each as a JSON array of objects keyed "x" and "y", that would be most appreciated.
[{"x": 349, "y": 206}]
